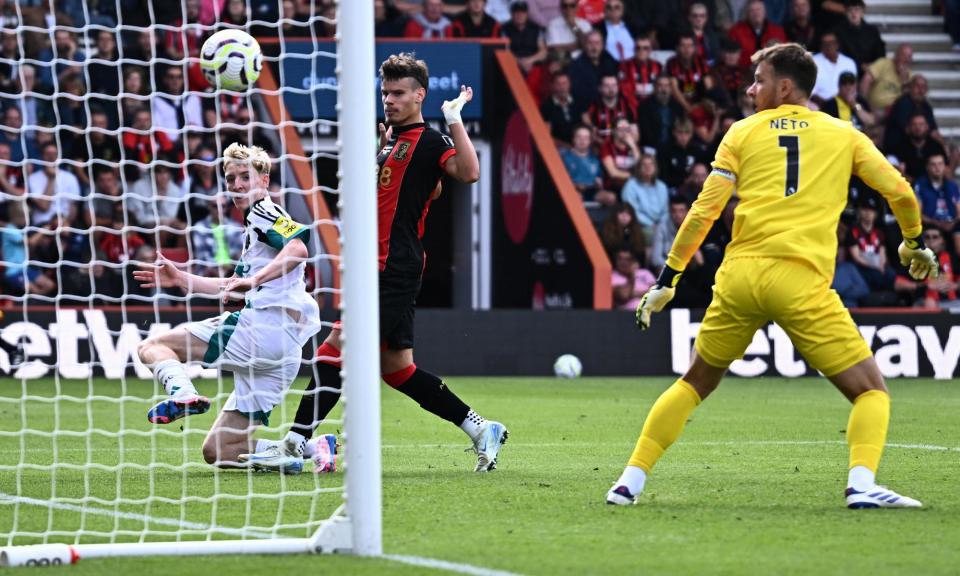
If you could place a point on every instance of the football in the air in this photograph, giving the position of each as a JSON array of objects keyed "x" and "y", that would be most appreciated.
[
  {"x": 231, "y": 59},
  {"x": 567, "y": 366}
]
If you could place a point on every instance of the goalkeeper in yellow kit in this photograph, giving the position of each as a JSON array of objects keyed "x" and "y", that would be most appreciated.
[{"x": 790, "y": 167}]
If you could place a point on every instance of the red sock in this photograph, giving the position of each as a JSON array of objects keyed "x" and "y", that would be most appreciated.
[
  {"x": 328, "y": 354},
  {"x": 396, "y": 379}
]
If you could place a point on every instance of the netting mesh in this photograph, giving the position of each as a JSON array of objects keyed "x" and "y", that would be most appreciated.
[{"x": 110, "y": 147}]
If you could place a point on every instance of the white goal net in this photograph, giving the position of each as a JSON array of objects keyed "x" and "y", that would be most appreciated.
[{"x": 111, "y": 146}]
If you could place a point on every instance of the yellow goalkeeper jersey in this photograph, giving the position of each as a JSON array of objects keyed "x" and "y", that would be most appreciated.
[{"x": 791, "y": 168}]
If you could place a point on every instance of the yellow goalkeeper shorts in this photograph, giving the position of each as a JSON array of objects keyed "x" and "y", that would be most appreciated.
[{"x": 749, "y": 292}]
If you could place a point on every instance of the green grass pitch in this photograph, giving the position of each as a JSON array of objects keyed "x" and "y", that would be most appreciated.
[{"x": 754, "y": 486}]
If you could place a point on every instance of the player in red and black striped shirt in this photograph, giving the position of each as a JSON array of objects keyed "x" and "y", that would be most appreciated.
[{"x": 413, "y": 158}]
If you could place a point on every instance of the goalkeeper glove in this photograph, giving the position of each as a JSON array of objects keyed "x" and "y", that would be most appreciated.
[
  {"x": 918, "y": 259},
  {"x": 451, "y": 108},
  {"x": 657, "y": 297}
]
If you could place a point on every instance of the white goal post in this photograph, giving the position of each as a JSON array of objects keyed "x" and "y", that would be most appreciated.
[{"x": 356, "y": 526}]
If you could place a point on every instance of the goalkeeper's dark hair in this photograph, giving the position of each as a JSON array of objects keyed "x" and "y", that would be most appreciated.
[
  {"x": 405, "y": 65},
  {"x": 790, "y": 61}
]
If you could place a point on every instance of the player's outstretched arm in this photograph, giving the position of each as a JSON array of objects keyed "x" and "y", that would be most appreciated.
[
  {"x": 716, "y": 192},
  {"x": 708, "y": 206},
  {"x": 874, "y": 169},
  {"x": 464, "y": 165},
  {"x": 288, "y": 258},
  {"x": 164, "y": 274}
]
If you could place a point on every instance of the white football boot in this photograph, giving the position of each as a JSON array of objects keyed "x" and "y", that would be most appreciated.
[
  {"x": 620, "y": 495},
  {"x": 487, "y": 444},
  {"x": 879, "y": 497},
  {"x": 278, "y": 457}
]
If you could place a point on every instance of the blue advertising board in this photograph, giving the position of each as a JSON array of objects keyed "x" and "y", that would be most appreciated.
[{"x": 309, "y": 70}]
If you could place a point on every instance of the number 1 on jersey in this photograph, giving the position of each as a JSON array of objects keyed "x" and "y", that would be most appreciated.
[{"x": 792, "y": 144}]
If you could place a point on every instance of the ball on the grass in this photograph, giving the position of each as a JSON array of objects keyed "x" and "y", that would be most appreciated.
[
  {"x": 231, "y": 59},
  {"x": 567, "y": 366}
]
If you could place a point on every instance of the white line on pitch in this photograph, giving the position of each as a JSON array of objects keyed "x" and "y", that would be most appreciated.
[
  {"x": 182, "y": 524},
  {"x": 448, "y": 566},
  {"x": 412, "y": 560},
  {"x": 931, "y": 447}
]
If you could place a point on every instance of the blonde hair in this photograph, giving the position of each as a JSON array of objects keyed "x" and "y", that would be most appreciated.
[{"x": 255, "y": 156}]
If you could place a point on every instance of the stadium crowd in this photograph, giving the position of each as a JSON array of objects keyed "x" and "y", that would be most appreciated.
[
  {"x": 637, "y": 95},
  {"x": 86, "y": 117}
]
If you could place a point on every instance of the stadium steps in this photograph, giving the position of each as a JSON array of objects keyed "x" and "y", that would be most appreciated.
[
  {"x": 897, "y": 7},
  {"x": 924, "y": 42},
  {"x": 948, "y": 98},
  {"x": 911, "y": 22}
]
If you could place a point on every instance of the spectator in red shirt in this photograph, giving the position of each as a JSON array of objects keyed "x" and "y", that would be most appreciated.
[
  {"x": 619, "y": 155},
  {"x": 591, "y": 10},
  {"x": 639, "y": 74},
  {"x": 184, "y": 40},
  {"x": 941, "y": 293},
  {"x": 540, "y": 78},
  {"x": 867, "y": 245},
  {"x": 12, "y": 182},
  {"x": 755, "y": 31},
  {"x": 143, "y": 145},
  {"x": 431, "y": 23},
  {"x": 689, "y": 72},
  {"x": 474, "y": 22},
  {"x": 728, "y": 72},
  {"x": 608, "y": 109}
]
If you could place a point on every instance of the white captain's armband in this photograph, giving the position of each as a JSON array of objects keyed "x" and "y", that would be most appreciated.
[{"x": 725, "y": 174}]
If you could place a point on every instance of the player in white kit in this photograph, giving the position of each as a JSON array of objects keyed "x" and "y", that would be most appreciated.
[{"x": 262, "y": 343}]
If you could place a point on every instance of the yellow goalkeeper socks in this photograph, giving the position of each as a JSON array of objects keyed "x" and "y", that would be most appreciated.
[
  {"x": 664, "y": 424},
  {"x": 867, "y": 429}
]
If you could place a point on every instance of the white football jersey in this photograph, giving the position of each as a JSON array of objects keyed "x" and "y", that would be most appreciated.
[{"x": 267, "y": 229}]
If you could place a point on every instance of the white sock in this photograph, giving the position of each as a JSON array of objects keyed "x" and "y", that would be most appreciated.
[
  {"x": 263, "y": 445},
  {"x": 472, "y": 424},
  {"x": 861, "y": 478},
  {"x": 174, "y": 378},
  {"x": 294, "y": 442},
  {"x": 633, "y": 478}
]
